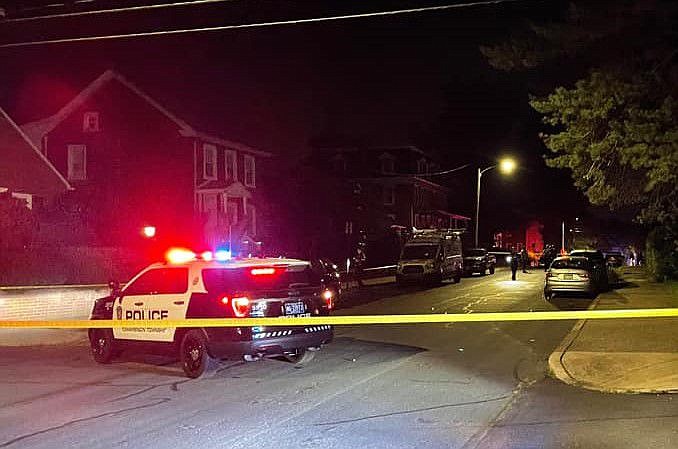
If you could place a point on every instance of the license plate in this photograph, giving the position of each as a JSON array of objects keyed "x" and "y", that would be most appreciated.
[
  {"x": 567, "y": 277},
  {"x": 295, "y": 308}
]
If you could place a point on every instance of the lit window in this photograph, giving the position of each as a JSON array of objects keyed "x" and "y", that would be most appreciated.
[
  {"x": 209, "y": 161},
  {"x": 250, "y": 171},
  {"x": 90, "y": 122},
  {"x": 231, "y": 165},
  {"x": 77, "y": 162}
]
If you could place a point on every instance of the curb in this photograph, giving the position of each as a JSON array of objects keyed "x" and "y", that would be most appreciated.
[{"x": 557, "y": 369}]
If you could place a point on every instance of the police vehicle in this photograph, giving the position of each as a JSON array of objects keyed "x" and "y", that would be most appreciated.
[{"x": 213, "y": 286}]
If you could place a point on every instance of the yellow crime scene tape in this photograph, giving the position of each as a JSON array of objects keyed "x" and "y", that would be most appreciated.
[{"x": 351, "y": 320}]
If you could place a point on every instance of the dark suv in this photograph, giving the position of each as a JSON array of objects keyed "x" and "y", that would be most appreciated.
[{"x": 478, "y": 260}]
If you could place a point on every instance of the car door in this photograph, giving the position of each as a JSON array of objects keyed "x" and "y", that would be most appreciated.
[{"x": 156, "y": 294}]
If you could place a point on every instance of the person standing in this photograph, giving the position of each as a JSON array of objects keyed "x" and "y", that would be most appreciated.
[
  {"x": 524, "y": 259},
  {"x": 514, "y": 265}
]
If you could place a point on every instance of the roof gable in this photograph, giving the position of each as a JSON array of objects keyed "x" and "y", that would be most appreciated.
[{"x": 18, "y": 156}]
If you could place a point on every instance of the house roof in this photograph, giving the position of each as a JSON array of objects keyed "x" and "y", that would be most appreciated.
[
  {"x": 19, "y": 158},
  {"x": 36, "y": 130}
]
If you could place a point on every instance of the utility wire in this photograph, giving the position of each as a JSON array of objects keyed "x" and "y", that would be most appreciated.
[
  {"x": 425, "y": 175},
  {"x": 256, "y": 25},
  {"x": 112, "y": 10}
]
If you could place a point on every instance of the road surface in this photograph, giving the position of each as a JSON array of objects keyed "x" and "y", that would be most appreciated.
[{"x": 475, "y": 385}]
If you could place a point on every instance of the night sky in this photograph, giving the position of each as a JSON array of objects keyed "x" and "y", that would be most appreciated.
[{"x": 415, "y": 79}]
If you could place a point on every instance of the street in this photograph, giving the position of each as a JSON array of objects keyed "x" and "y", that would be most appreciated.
[{"x": 475, "y": 385}]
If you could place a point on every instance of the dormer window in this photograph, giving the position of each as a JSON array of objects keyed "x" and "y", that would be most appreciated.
[
  {"x": 387, "y": 163},
  {"x": 90, "y": 122}
]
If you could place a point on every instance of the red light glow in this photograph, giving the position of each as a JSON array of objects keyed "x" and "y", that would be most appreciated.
[
  {"x": 262, "y": 271},
  {"x": 179, "y": 255},
  {"x": 328, "y": 295},
  {"x": 224, "y": 300}
]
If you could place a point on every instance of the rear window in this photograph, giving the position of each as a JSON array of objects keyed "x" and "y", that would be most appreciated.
[
  {"x": 570, "y": 263},
  {"x": 475, "y": 253},
  {"x": 259, "y": 278}
]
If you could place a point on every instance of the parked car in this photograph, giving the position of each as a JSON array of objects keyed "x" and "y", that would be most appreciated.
[
  {"x": 569, "y": 274},
  {"x": 598, "y": 266},
  {"x": 614, "y": 259},
  {"x": 431, "y": 256},
  {"x": 478, "y": 260}
]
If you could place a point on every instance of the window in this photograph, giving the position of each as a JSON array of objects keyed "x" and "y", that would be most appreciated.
[
  {"x": 387, "y": 165},
  {"x": 252, "y": 217},
  {"x": 90, "y": 122},
  {"x": 160, "y": 281},
  {"x": 231, "y": 165},
  {"x": 77, "y": 162},
  {"x": 239, "y": 279},
  {"x": 339, "y": 164},
  {"x": 389, "y": 195},
  {"x": 27, "y": 197},
  {"x": 209, "y": 164},
  {"x": 250, "y": 177}
]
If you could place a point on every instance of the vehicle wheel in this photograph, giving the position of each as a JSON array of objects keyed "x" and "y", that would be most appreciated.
[
  {"x": 492, "y": 269},
  {"x": 457, "y": 277},
  {"x": 484, "y": 272},
  {"x": 300, "y": 357},
  {"x": 195, "y": 360},
  {"x": 102, "y": 344},
  {"x": 548, "y": 295}
]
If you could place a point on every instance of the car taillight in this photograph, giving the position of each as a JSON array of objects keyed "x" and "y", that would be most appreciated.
[
  {"x": 328, "y": 296},
  {"x": 262, "y": 271},
  {"x": 241, "y": 306}
]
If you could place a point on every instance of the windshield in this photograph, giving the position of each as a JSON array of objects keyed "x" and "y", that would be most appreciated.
[
  {"x": 248, "y": 279},
  {"x": 578, "y": 263},
  {"x": 475, "y": 253},
  {"x": 411, "y": 252}
]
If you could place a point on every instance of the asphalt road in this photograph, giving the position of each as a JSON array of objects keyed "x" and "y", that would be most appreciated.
[{"x": 476, "y": 385}]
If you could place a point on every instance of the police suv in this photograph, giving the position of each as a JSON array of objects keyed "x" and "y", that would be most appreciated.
[{"x": 214, "y": 287}]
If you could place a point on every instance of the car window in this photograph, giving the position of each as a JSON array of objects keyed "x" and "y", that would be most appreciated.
[
  {"x": 475, "y": 253},
  {"x": 419, "y": 251},
  {"x": 259, "y": 278},
  {"x": 579, "y": 263},
  {"x": 160, "y": 281}
]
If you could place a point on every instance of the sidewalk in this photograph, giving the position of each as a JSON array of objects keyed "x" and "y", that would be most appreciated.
[{"x": 623, "y": 356}]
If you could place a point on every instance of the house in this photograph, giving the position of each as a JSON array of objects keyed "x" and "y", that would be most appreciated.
[
  {"x": 392, "y": 189},
  {"x": 395, "y": 183},
  {"x": 25, "y": 172},
  {"x": 133, "y": 164}
]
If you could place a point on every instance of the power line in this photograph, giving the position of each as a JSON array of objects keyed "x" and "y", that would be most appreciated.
[
  {"x": 112, "y": 10},
  {"x": 255, "y": 25}
]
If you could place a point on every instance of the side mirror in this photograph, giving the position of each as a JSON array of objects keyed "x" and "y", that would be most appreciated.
[{"x": 115, "y": 288}]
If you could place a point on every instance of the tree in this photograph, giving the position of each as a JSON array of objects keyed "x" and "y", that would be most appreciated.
[{"x": 616, "y": 128}]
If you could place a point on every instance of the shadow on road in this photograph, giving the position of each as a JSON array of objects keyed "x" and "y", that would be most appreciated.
[{"x": 571, "y": 302}]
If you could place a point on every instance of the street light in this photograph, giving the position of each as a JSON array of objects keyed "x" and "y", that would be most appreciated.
[{"x": 506, "y": 166}]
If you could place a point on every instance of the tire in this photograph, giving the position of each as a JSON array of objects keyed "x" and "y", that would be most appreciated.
[
  {"x": 300, "y": 358},
  {"x": 457, "y": 277},
  {"x": 102, "y": 344},
  {"x": 193, "y": 356},
  {"x": 492, "y": 269},
  {"x": 484, "y": 272},
  {"x": 548, "y": 295}
]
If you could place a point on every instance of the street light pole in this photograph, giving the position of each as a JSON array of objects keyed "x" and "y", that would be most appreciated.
[
  {"x": 506, "y": 165},
  {"x": 480, "y": 174}
]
